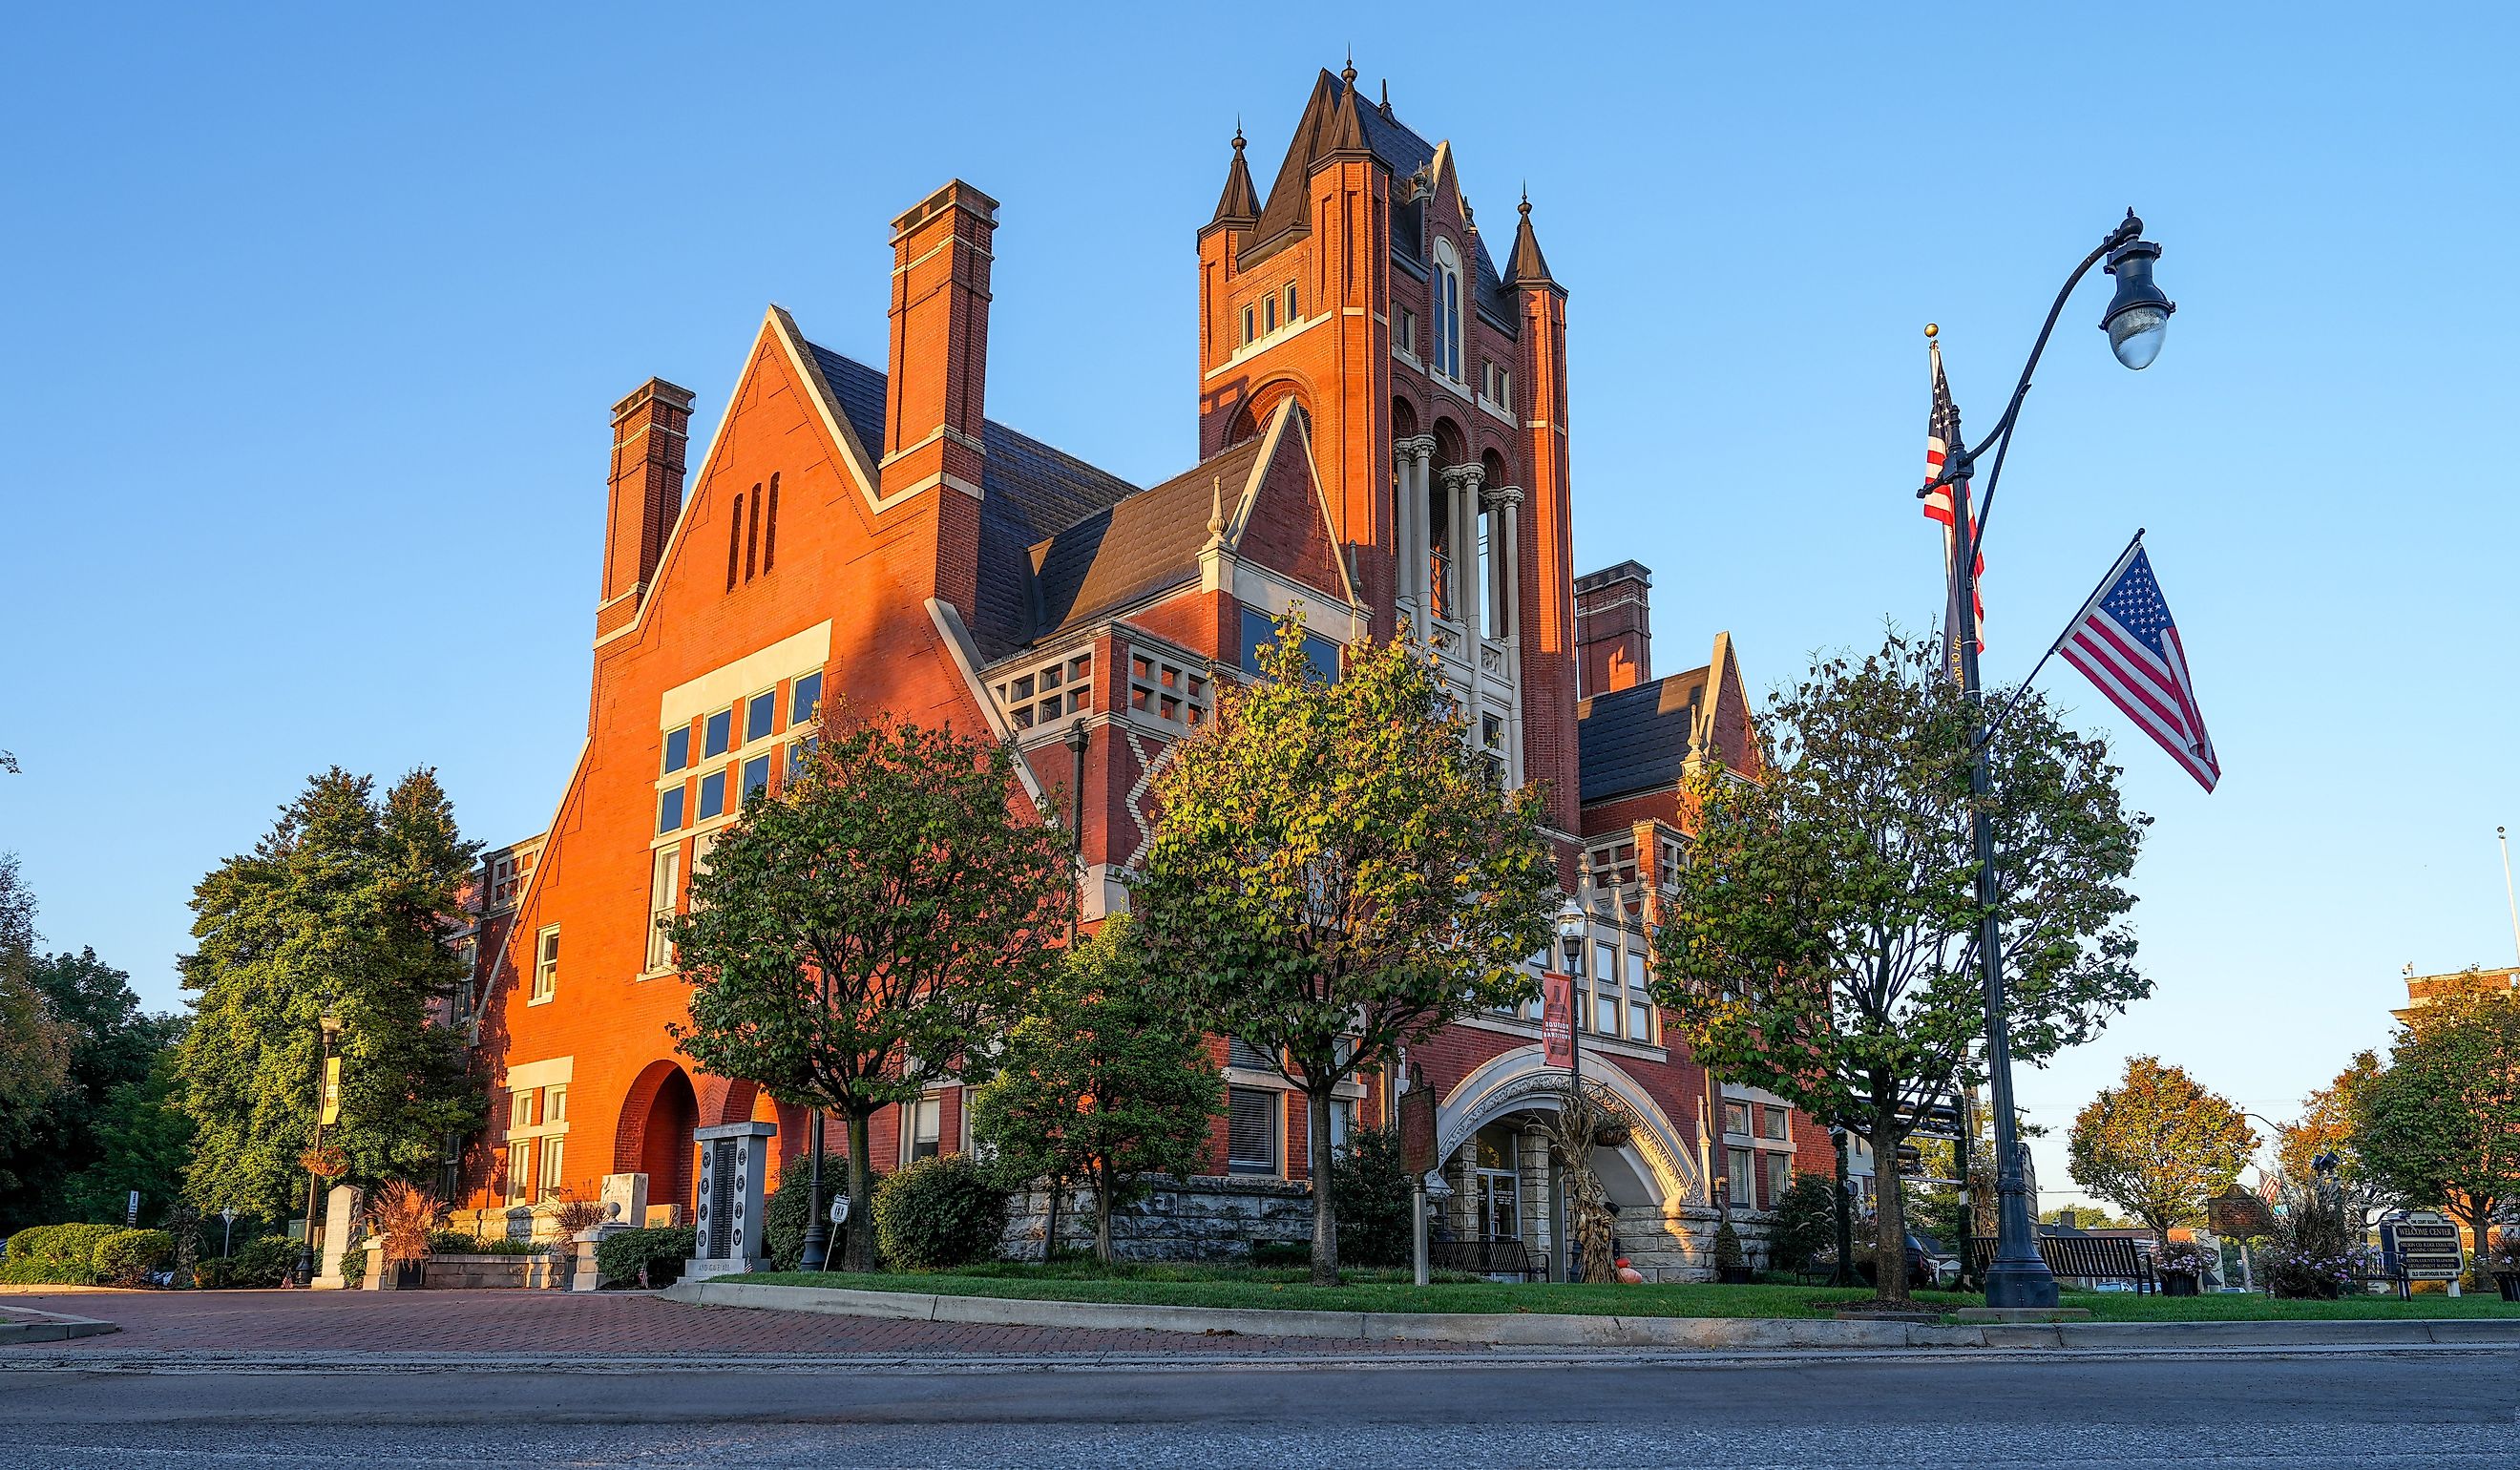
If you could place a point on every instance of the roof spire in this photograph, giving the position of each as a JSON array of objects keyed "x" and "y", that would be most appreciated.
[
  {"x": 1386, "y": 97},
  {"x": 1526, "y": 266},
  {"x": 1239, "y": 202},
  {"x": 1216, "y": 510},
  {"x": 1348, "y": 75}
]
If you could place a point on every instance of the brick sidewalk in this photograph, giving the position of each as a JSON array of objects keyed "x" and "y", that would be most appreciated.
[{"x": 489, "y": 1322}]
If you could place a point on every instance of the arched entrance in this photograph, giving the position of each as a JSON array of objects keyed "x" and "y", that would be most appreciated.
[{"x": 654, "y": 1136}]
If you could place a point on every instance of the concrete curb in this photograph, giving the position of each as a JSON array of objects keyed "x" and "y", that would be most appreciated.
[
  {"x": 56, "y": 1326},
  {"x": 1555, "y": 1330}
]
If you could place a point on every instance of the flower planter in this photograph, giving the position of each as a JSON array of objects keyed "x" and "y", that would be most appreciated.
[
  {"x": 1613, "y": 1134},
  {"x": 2178, "y": 1283},
  {"x": 2510, "y": 1282}
]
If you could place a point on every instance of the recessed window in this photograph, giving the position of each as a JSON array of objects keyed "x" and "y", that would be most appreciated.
[
  {"x": 550, "y": 1173},
  {"x": 520, "y": 1109},
  {"x": 756, "y": 775},
  {"x": 1251, "y": 1129},
  {"x": 1771, "y": 1123},
  {"x": 735, "y": 544},
  {"x": 770, "y": 532},
  {"x": 1249, "y": 334},
  {"x": 1737, "y": 1117},
  {"x": 1739, "y": 1162},
  {"x": 556, "y": 1104},
  {"x": 678, "y": 749},
  {"x": 1447, "y": 355},
  {"x": 664, "y": 886},
  {"x": 1260, "y": 630},
  {"x": 546, "y": 964},
  {"x": 669, "y": 810},
  {"x": 1779, "y": 1176},
  {"x": 712, "y": 795},
  {"x": 1269, "y": 315},
  {"x": 925, "y": 1132},
  {"x": 718, "y": 735},
  {"x": 804, "y": 697},
  {"x": 1290, "y": 305},
  {"x": 1640, "y": 1000},
  {"x": 760, "y": 712},
  {"x": 1409, "y": 333}
]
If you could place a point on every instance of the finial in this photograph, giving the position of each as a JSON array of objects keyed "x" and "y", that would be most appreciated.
[
  {"x": 1526, "y": 198},
  {"x": 1216, "y": 507},
  {"x": 1238, "y": 133},
  {"x": 1932, "y": 330},
  {"x": 1348, "y": 75},
  {"x": 1386, "y": 97},
  {"x": 1468, "y": 216}
]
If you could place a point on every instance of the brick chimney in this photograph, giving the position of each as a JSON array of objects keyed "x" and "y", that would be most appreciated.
[
  {"x": 649, "y": 429},
  {"x": 936, "y": 394},
  {"x": 1613, "y": 638}
]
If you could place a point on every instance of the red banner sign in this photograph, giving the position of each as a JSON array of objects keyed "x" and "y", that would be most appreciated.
[{"x": 1556, "y": 1019}]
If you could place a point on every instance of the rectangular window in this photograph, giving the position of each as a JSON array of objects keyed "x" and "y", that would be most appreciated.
[
  {"x": 717, "y": 737},
  {"x": 760, "y": 712},
  {"x": 1771, "y": 1123},
  {"x": 1742, "y": 1182},
  {"x": 1260, "y": 630},
  {"x": 1253, "y": 1115},
  {"x": 735, "y": 544},
  {"x": 556, "y": 1104},
  {"x": 752, "y": 536},
  {"x": 678, "y": 749},
  {"x": 1409, "y": 333},
  {"x": 1342, "y": 1109},
  {"x": 669, "y": 810},
  {"x": 551, "y": 1171},
  {"x": 801, "y": 754},
  {"x": 804, "y": 697},
  {"x": 712, "y": 795},
  {"x": 1248, "y": 335},
  {"x": 700, "y": 848},
  {"x": 926, "y": 1125},
  {"x": 520, "y": 1110},
  {"x": 1241, "y": 1053},
  {"x": 756, "y": 775},
  {"x": 1779, "y": 1176},
  {"x": 1290, "y": 305},
  {"x": 546, "y": 964},
  {"x": 1605, "y": 989},
  {"x": 1269, "y": 315},
  {"x": 1737, "y": 1118},
  {"x": 521, "y": 1168},
  {"x": 1640, "y": 999},
  {"x": 664, "y": 886}
]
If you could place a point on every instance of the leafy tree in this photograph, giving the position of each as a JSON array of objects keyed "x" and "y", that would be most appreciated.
[
  {"x": 1098, "y": 1081},
  {"x": 1805, "y": 1223},
  {"x": 2326, "y": 1126},
  {"x": 1823, "y": 940},
  {"x": 2441, "y": 1126},
  {"x": 1369, "y": 1185},
  {"x": 112, "y": 1046},
  {"x": 1336, "y": 874},
  {"x": 2158, "y": 1145},
  {"x": 35, "y": 1045},
  {"x": 864, "y": 932},
  {"x": 2086, "y": 1218},
  {"x": 142, "y": 1140},
  {"x": 348, "y": 902}
]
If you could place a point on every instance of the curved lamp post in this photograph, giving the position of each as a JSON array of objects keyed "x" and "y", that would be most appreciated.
[{"x": 2136, "y": 320}]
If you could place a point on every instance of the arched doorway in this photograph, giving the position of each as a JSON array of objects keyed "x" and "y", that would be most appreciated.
[{"x": 654, "y": 1137}]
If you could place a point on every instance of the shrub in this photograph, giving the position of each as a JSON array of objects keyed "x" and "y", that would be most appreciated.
[
  {"x": 354, "y": 1267},
  {"x": 1370, "y": 1196},
  {"x": 215, "y": 1272},
  {"x": 403, "y": 1215},
  {"x": 661, "y": 1252},
  {"x": 938, "y": 1213},
  {"x": 125, "y": 1257},
  {"x": 1277, "y": 1253},
  {"x": 265, "y": 1261},
  {"x": 1727, "y": 1247},
  {"x": 1805, "y": 1225},
  {"x": 783, "y": 1223},
  {"x": 2314, "y": 1253},
  {"x": 61, "y": 1255}
]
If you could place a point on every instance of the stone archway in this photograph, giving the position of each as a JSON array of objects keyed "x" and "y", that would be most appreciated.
[
  {"x": 1518, "y": 1079},
  {"x": 655, "y": 1135}
]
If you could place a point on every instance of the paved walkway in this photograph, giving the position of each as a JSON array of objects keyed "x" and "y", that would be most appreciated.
[{"x": 552, "y": 1324}]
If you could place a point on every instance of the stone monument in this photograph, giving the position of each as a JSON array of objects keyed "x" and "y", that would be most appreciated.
[
  {"x": 733, "y": 1157},
  {"x": 625, "y": 1208},
  {"x": 340, "y": 1212}
]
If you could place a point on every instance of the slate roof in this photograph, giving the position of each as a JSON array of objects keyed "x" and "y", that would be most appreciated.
[
  {"x": 1138, "y": 547},
  {"x": 1637, "y": 739},
  {"x": 1031, "y": 490},
  {"x": 1335, "y": 118}
]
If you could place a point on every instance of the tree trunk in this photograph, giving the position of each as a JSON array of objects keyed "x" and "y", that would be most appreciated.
[
  {"x": 1316, "y": 1166},
  {"x": 860, "y": 1252},
  {"x": 1050, "y": 1229},
  {"x": 1890, "y": 1225},
  {"x": 2479, "y": 1220},
  {"x": 1103, "y": 1213}
]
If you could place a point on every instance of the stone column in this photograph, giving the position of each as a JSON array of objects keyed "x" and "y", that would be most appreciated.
[
  {"x": 1508, "y": 501},
  {"x": 625, "y": 1208},
  {"x": 341, "y": 1209},
  {"x": 1414, "y": 456},
  {"x": 733, "y": 1156},
  {"x": 1462, "y": 482}
]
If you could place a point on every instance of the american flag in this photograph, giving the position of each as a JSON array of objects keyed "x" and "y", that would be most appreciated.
[
  {"x": 2124, "y": 642},
  {"x": 1942, "y": 430}
]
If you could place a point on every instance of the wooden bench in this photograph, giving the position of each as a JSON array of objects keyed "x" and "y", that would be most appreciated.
[
  {"x": 1487, "y": 1256},
  {"x": 2085, "y": 1258}
]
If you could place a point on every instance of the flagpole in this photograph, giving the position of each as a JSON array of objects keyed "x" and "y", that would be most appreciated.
[{"x": 2105, "y": 578}]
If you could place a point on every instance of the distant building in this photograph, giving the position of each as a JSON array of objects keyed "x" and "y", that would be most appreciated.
[{"x": 2428, "y": 989}]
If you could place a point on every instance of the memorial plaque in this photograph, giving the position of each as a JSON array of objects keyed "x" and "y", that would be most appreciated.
[{"x": 2424, "y": 1245}]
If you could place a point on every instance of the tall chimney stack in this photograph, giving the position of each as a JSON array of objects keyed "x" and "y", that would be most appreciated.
[
  {"x": 936, "y": 394},
  {"x": 1614, "y": 635},
  {"x": 649, "y": 429}
]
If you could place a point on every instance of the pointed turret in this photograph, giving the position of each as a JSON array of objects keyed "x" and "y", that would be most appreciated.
[
  {"x": 1527, "y": 266},
  {"x": 1239, "y": 204},
  {"x": 1346, "y": 133}
]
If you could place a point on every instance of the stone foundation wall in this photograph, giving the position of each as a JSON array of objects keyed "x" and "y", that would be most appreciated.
[
  {"x": 538, "y": 1272},
  {"x": 1204, "y": 1218}
]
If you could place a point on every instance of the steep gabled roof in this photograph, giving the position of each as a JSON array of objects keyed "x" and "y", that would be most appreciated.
[
  {"x": 1131, "y": 551},
  {"x": 1637, "y": 739},
  {"x": 1029, "y": 490}
]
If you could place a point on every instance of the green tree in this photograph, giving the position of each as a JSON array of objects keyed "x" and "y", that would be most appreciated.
[
  {"x": 1823, "y": 938},
  {"x": 864, "y": 933},
  {"x": 348, "y": 902},
  {"x": 2158, "y": 1145},
  {"x": 2441, "y": 1127},
  {"x": 1805, "y": 1223},
  {"x": 2326, "y": 1126},
  {"x": 143, "y": 1141},
  {"x": 1336, "y": 874},
  {"x": 111, "y": 1045},
  {"x": 35, "y": 1046},
  {"x": 2086, "y": 1218},
  {"x": 1099, "y": 1079}
]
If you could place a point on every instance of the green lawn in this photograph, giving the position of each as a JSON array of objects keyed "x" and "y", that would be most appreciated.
[{"x": 1392, "y": 1291}]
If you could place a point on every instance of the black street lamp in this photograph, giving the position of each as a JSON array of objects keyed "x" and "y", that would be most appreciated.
[
  {"x": 328, "y": 1027},
  {"x": 2136, "y": 320}
]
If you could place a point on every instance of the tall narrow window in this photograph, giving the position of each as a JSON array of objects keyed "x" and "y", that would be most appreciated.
[
  {"x": 921, "y": 1139},
  {"x": 1248, "y": 333},
  {"x": 546, "y": 964},
  {"x": 551, "y": 1171},
  {"x": 804, "y": 697},
  {"x": 1251, "y": 1129},
  {"x": 664, "y": 885},
  {"x": 1290, "y": 305},
  {"x": 1409, "y": 333},
  {"x": 752, "y": 534},
  {"x": 769, "y": 533},
  {"x": 733, "y": 543}
]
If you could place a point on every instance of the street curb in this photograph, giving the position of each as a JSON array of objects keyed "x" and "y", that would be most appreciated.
[
  {"x": 1538, "y": 1330},
  {"x": 56, "y": 1327}
]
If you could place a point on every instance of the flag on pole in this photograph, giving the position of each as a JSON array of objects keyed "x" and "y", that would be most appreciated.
[
  {"x": 1943, "y": 430},
  {"x": 2126, "y": 643}
]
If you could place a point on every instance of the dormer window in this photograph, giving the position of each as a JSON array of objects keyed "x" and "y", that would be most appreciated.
[{"x": 1446, "y": 356}]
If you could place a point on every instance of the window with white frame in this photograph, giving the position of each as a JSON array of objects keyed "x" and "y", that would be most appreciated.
[
  {"x": 1290, "y": 303},
  {"x": 1254, "y": 1116},
  {"x": 1500, "y": 387},
  {"x": 664, "y": 886},
  {"x": 556, "y": 1102},
  {"x": 1781, "y": 1175},
  {"x": 1613, "y": 864},
  {"x": 1605, "y": 989},
  {"x": 1771, "y": 1123},
  {"x": 1446, "y": 357},
  {"x": 1250, "y": 331},
  {"x": 1167, "y": 693},
  {"x": 1641, "y": 1006},
  {"x": 1742, "y": 1183},
  {"x": 551, "y": 1165},
  {"x": 1737, "y": 1118},
  {"x": 546, "y": 964},
  {"x": 1047, "y": 692},
  {"x": 921, "y": 1137}
]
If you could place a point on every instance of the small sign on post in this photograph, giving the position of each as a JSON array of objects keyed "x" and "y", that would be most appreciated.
[{"x": 132, "y": 1211}]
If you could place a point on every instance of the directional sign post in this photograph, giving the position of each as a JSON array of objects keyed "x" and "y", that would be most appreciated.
[{"x": 2424, "y": 1246}]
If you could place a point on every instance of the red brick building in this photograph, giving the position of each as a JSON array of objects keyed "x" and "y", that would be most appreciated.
[{"x": 1383, "y": 422}]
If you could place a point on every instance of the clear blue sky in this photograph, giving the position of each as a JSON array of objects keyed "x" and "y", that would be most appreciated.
[{"x": 313, "y": 317}]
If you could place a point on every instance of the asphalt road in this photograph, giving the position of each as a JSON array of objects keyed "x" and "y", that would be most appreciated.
[{"x": 2437, "y": 1407}]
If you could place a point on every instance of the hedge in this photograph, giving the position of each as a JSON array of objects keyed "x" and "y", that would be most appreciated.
[
  {"x": 125, "y": 1257},
  {"x": 265, "y": 1261},
  {"x": 662, "y": 1251},
  {"x": 60, "y": 1254},
  {"x": 940, "y": 1212}
]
